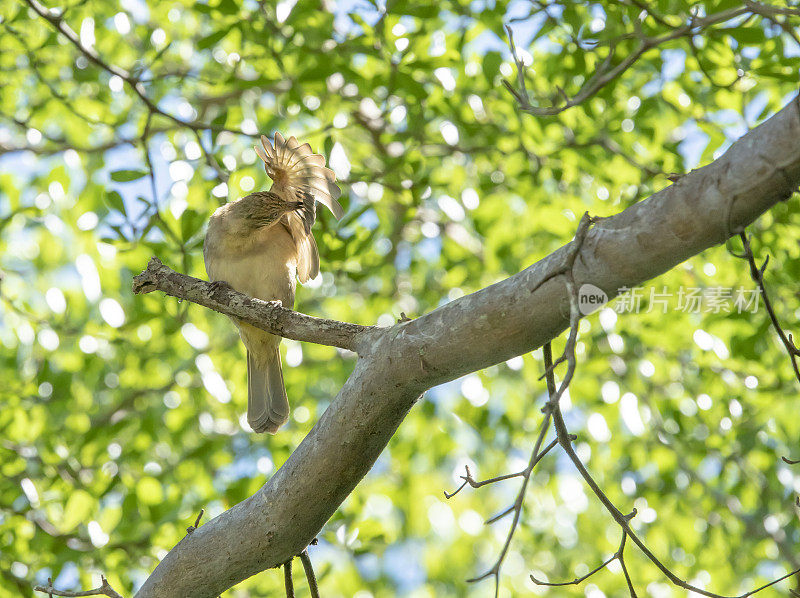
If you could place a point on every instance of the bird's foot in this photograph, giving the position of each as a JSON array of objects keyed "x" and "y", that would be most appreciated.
[
  {"x": 276, "y": 302},
  {"x": 219, "y": 285}
]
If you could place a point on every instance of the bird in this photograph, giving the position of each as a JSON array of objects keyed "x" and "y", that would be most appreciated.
[{"x": 261, "y": 245}]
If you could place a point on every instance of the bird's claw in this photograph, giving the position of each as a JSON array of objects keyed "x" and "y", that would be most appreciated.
[
  {"x": 219, "y": 289},
  {"x": 219, "y": 285}
]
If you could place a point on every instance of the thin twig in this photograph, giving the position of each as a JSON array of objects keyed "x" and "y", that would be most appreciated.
[
  {"x": 309, "y": 569},
  {"x": 468, "y": 479},
  {"x": 757, "y": 274},
  {"x": 522, "y": 93},
  {"x": 494, "y": 571},
  {"x": 105, "y": 589},
  {"x": 288, "y": 583},
  {"x": 191, "y": 528},
  {"x": 617, "y": 556}
]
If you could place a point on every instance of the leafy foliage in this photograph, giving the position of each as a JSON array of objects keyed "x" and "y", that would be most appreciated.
[{"x": 122, "y": 417}]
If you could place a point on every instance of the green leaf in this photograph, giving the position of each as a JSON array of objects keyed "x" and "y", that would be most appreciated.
[
  {"x": 220, "y": 119},
  {"x": 114, "y": 201},
  {"x": 747, "y": 35},
  {"x": 424, "y": 10},
  {"x": 212, "y": 39},
  {"x": 124, "y": 176},
  {"x": 491, "y": 65},
  {"x": 228, "y": 7},
  {"x": 191, "y": 222},
  {"x": 78, "y": 509}
]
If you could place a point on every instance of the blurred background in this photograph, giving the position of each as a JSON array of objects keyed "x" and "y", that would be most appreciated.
[{"x": 124, "y": 125}]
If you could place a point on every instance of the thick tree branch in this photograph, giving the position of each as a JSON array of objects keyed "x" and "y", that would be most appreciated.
[
  {"x": 269, "y": 316},
  {"x": 512, "y": 317}
]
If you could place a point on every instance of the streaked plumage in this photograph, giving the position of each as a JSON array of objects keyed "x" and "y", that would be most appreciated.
[{"x": 260, "y": 245}]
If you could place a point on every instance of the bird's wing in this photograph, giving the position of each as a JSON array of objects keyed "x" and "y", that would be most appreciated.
[{"x": 307, "y": 252}]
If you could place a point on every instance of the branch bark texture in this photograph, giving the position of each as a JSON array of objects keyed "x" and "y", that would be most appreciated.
[
  {"x": 269, "y": 316},
  {"x": 515, "y": 316}
]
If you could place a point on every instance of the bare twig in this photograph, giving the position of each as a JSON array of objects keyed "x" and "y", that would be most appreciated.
[
  {"x": 468, "y": 479},
  {"x": 617, "y": 556},
  {"x": 191, "y": 528},
  {"x": 520, "y": 94},
  {"x": 757, "y": 274},
  {"x": 516, "y": 509},
  {"x": 105, "y": 589},
  {"x": 288, "y": 583},
  {"x": 309, "y": 569}
]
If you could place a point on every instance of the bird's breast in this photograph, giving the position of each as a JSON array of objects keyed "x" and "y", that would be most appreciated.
[{"x": 263, "y": 265}]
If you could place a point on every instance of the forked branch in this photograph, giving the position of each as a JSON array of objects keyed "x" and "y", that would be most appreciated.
[{"x": 105, "y": 589}]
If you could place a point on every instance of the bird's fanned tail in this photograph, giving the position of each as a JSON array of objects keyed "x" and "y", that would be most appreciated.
[
  {"x": 295, "y": 167},
  {"x": 301, "y": 175}
]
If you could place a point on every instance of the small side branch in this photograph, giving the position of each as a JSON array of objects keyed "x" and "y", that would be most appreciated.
[
  {"x": 538, "y": 453},
  {"x": 191, "y": 528},
  {"x": 565, "y": 440},
  {"x": 309, "y": 569},
  {"x": 265, "y": 315},
  {"x": 105, "y": 589},
  {"x": 287, "y": 579},
  {"x": 757, "y": 274},
  {"x": 619, "y": 555}
]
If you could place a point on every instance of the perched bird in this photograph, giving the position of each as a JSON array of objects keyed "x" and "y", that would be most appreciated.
[{"x": 260, "y": 245}]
